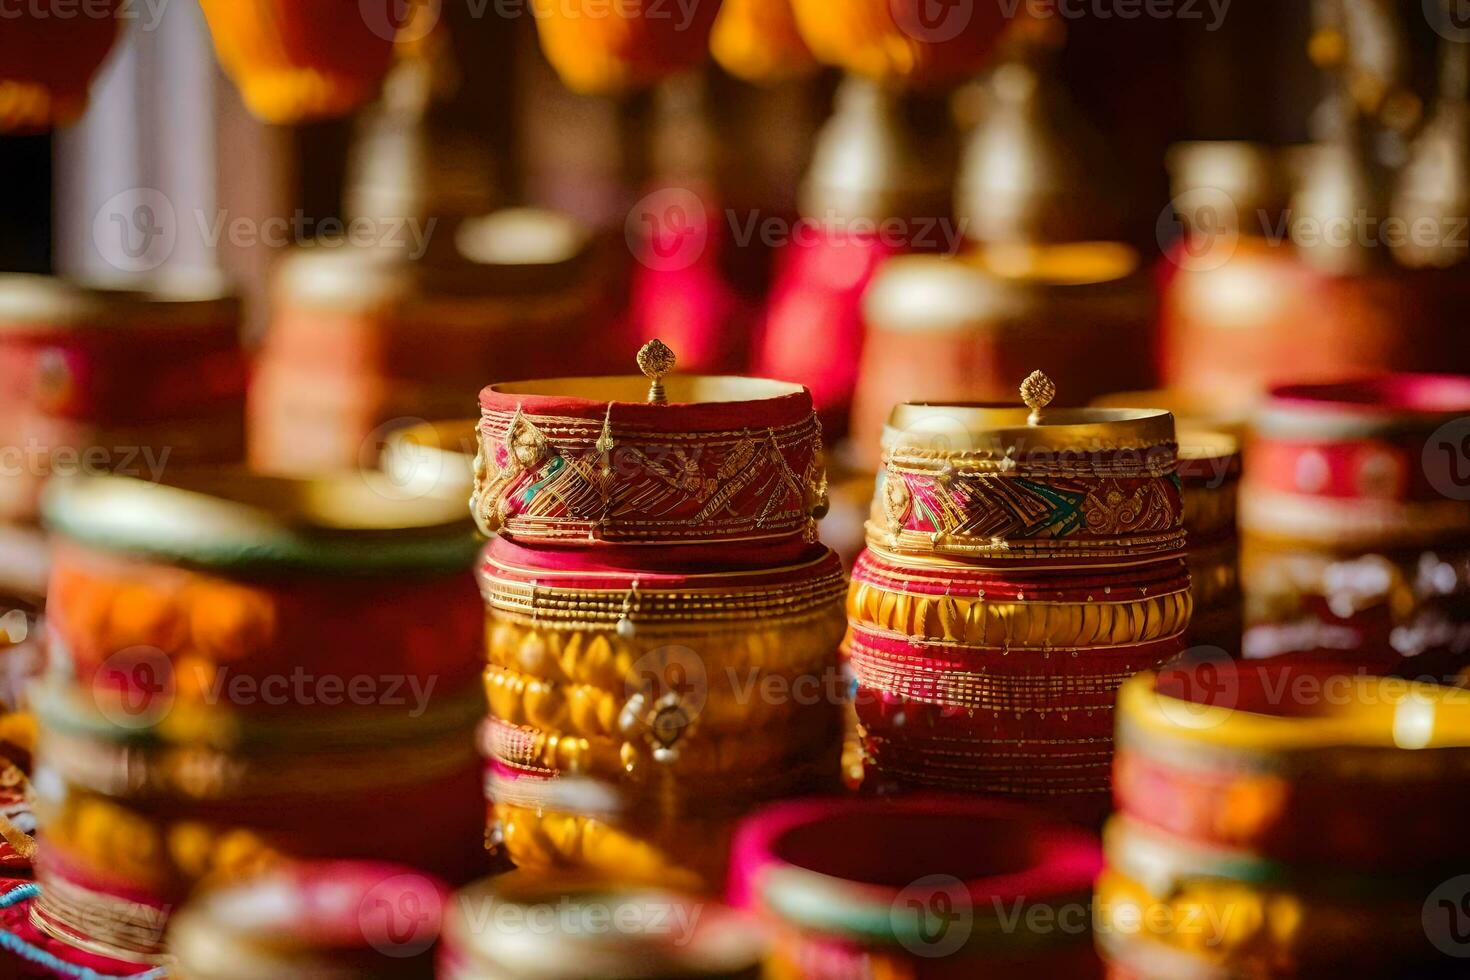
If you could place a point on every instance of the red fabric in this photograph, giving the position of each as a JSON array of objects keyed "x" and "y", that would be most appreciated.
[{"x": 16, "y": 920}]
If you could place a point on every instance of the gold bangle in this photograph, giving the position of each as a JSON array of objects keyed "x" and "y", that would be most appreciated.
[
  {"x": 1018, "y": 625},
  {"x": 605, "y": 659}
]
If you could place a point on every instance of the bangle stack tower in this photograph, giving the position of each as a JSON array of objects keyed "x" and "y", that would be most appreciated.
[
  {"x": 1019, "y": 568},
  {"x": 1209, "y": 475},
  {"x": 1244, "y": 843},
  {"x": 245, "y": 669},
  {"x": 1355, "y": 524},
  {"x": 663, "y": 628}
]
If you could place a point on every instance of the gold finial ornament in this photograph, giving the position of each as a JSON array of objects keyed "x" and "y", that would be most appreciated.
[
  {"x": 656, "y": 360},
  {"x": 1037, "y": 391}
]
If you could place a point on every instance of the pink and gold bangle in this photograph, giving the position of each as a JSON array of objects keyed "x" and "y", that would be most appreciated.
[
  {"x": 132, "y": 359},
  {"x": 1020, "y": 608},
  {"x": 1351, "y": 465},
  {"x": 832, "y": 879},
  {"x": 556, "y": 590},
  {"x": 1275, "y": 757},
  {"x": 104, "y": 917},
  {"x": 997, "y": 484},
  {"x": 1257, "y": 918},
  {"x": 588, "y": 461}
]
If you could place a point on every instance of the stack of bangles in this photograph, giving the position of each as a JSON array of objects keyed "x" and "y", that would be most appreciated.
[
  {"x": 1355, "y": 524},
  {"x": 362, "y": 338},
  {"x": 95, "y": 379},
  {"x": 1243, "y": 845},
  {"x": 1209, "y": 471},
  {"x": 663, "y": 630},
  {"x": 922, "y": 888},
  {"x": 246, "y": 669},
  {"x": 1018, "y": 570}
]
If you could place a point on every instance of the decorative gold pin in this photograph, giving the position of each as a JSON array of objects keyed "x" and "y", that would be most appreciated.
[
  {"x": 1037, "y": 391},
  {"x": 656, "y": 360}
]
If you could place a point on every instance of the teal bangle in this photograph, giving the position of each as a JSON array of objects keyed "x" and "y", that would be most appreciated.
[{"x": 230, "y": 520}]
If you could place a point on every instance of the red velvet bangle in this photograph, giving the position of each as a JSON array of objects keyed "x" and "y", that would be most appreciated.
[
  {"x": 510, "y": 565},
  {"x": 583, "y": 461},
  {"x": 1039, "y": 582},
  {"x": 1352, "y": 463},
  {"x": 1020, "y": 723},
  {"x": 118, "y": 617},
  {"x": 860, "y": 881},
  {"x": 117, "y": 357}
]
